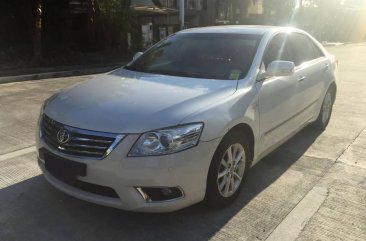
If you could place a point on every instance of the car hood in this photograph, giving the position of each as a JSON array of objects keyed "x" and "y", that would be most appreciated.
[{"x": 124, "y": 101}]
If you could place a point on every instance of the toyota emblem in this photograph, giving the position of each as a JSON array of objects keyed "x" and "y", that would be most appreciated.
[{"x": 63, "y": 136}]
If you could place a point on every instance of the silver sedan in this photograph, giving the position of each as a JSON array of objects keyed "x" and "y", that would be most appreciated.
[{"x": 185, "y": 121}]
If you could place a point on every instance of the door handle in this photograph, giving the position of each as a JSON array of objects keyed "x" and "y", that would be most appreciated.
[
  {"x": 326, "y": 68},
  {"x": 301, "y": 78}
]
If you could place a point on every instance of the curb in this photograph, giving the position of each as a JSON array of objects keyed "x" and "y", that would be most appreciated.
[
  {"x": 332, "y": 44},
  {"x": 343, "y": 44},
  {"x": 57, "y": 74}
]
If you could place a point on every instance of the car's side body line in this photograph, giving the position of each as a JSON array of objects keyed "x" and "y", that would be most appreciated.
[
  {"x": 292, "y": 117},
  {"x": 275, "y": 146}
]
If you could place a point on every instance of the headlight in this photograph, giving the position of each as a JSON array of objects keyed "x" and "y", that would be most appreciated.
[
  {"x": 42, "y": 108},
  {"x": 167, "y": 141},
  {"x": 41, "y": 111}
]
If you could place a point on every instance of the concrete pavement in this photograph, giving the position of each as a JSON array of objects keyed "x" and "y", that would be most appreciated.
[{"x": 312, "y": 188}]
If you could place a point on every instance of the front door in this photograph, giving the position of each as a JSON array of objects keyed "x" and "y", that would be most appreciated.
[{"x": 278, "y": 102}]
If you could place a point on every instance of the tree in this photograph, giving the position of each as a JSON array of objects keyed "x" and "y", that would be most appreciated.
[
  {"x": 111, "y": 19},
  {"x": 233, "y": 11},
  {"x": 278, "y": 12}
]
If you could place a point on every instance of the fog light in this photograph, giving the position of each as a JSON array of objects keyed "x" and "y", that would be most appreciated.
[
  {"x": 166, "y": 192},
  {"x": 160, "y": 194}
]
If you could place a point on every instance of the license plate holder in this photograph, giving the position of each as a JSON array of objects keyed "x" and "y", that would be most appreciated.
[{"x": 63, "y": 168}]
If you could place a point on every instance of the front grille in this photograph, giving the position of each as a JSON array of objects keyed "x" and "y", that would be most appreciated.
[{"x": 77, "y": 142}]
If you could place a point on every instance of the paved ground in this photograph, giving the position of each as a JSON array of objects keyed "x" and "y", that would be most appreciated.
[{"x": 312, "y": 188}]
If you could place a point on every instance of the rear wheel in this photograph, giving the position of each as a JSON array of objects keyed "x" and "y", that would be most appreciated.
[
  {"x": 228, "y": 169},
  {"x": 325, "y": 111}
]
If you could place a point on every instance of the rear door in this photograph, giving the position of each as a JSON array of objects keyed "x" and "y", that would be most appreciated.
[{"x": 311, "y": 69}]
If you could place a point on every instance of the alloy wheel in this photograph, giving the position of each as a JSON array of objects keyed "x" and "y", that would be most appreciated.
[
  {"x": 327, "y": 108},
  {"x": 231, "y": 170}
]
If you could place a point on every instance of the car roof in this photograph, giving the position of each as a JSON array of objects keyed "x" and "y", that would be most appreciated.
[{"x": 240, "y": 29}]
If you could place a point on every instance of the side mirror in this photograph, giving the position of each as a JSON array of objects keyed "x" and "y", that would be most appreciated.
[
  {"x": 280, "y": 68},
  {"x": 137, "y": 55}
]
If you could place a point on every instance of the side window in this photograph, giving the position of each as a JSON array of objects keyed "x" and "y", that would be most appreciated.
[
  {"x": 305, "y": 49},
  {"x": 279, "y": 48},
  {"x": 317, "y": 51}
]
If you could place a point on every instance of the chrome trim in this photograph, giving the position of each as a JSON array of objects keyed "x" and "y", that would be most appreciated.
[
  {"x": 148, "y": 199},
  {"x": 84, "y": 144},
  {"x": 85, "y": 152},
  {"x": 143, "y": 194},
  {"x": 92, "y": 140},
  {"x": 114, "y": 144}
]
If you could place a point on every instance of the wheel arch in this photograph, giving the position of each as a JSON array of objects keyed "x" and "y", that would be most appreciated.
[
  {"x": 333, "y": 87},
  {"x": 212, "y": 196},
  {"x": 247, "y": 131}
]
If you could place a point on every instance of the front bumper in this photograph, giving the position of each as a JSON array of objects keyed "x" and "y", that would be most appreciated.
[{"x": 187, "y": 170}]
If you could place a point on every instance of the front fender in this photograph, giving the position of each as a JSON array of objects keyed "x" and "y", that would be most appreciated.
[{"x": 221, "y": 116}]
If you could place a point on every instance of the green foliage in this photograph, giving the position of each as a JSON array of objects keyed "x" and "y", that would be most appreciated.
[
  {"x": 278, "y": 12},
  {"x": 115, "y": 9},
  {"x": 232, "y": 10},
  {"x": 111, "y": 20}
]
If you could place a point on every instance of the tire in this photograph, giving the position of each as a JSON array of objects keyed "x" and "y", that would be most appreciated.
[
  {"x": 325, "y": 112},
  {"x": 216, "y": 196}
]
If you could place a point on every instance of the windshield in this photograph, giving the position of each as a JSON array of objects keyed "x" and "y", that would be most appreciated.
[{"x": 200, "y": 55}]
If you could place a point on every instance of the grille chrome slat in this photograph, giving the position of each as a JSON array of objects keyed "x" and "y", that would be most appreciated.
[
  {"x": 49, "y": 139},
  {"x": 86, "y": 146},
  {"x": 81, "y": 143},
  {"x": 84, "y": 152},
  {"x": 91, "y": 140},
  {"x": 48, "y": 129}
]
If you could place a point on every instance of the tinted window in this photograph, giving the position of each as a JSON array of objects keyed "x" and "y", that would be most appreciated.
[
  {"x": 305, "y": 49},
  {"x": 317, "y": 52},
  {"x": 279, "y": 48},
  {"x": 212, "y": 56}
]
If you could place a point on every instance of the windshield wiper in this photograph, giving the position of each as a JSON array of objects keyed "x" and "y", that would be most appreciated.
[
  {"x": 134, "y": 68},
  {"x": 171, "y": 72}
]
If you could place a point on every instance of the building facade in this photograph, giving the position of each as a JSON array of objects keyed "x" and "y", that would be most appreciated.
[{"x": 160, "y": 18}]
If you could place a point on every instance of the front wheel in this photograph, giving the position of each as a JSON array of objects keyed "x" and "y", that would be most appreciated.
[
  {"x": 228, "y": 169},
  {"x": 325, "y": 111}
]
